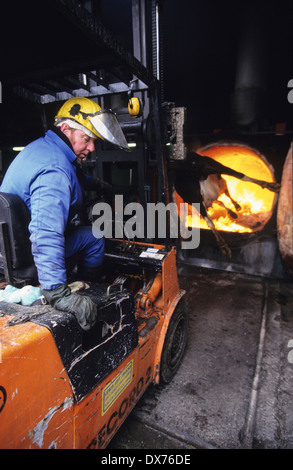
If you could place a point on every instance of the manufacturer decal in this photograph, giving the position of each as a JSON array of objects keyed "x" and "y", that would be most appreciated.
[
  {"x": 114, "y": 389},
  {"x": 120, "y": 413}
]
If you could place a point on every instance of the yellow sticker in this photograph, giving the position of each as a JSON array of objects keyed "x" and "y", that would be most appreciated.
[{"x": 114, "y": 389}]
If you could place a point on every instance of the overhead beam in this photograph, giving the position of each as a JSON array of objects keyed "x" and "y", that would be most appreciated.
[{"x": 84, "y": 20}]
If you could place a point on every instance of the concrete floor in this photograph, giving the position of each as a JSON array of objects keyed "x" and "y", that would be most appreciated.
[{"x": 234, "y": 388}]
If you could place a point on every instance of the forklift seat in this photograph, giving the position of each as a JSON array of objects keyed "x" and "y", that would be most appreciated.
[{"x": 16, "y": 260}]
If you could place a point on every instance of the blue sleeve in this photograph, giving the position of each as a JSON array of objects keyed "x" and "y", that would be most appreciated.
[{"x": 50, "y": 202}]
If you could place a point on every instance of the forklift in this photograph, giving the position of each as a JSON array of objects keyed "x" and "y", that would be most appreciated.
[{"x": 62, "y": 387}]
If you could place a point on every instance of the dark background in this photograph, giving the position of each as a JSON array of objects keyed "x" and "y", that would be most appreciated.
[
  {"x": 210, "y": 44},
  {"x": 215, "y": 54},
  {"x": 207, "y": 46}
]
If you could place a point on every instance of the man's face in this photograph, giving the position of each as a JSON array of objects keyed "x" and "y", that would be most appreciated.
[{"x": 81, "y": 143}]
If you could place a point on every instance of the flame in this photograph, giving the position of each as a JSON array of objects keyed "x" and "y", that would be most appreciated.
[{"x": 256, "y": 203}]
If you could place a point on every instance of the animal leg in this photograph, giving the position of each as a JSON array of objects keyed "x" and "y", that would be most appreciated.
[
  {"x": 221, "y": 242},
  {"x": 235, "y": 203},
  {"x": 230, "y": 212},
  {"x": 209, "y": 166},
  {"x": 274, "y": 187}
]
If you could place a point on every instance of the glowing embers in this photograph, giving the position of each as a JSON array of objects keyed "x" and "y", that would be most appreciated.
[{"x": 256, "y": 203}]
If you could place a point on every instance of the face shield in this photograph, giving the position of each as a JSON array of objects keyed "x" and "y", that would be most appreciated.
[{"x": 107, "y": 126}]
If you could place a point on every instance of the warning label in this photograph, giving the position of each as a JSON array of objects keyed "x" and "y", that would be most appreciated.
[{"x": 116, "y": 387}]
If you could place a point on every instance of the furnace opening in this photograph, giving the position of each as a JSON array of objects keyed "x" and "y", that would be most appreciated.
[{"x": 256, "y": 204}]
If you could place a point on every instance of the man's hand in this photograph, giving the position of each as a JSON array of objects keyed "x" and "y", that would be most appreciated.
[{"x": 81, "y": 306}]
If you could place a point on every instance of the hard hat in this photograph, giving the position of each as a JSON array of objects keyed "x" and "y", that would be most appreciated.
[
  {"x": 78, "y": 109},
  {"x": 102, "y": 123}
]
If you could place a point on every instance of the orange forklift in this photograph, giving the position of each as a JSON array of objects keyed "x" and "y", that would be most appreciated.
[{"x": 61, "y": 386}]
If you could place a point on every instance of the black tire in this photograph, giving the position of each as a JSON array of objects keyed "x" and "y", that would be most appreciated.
[{"x": 175, "y": 342}]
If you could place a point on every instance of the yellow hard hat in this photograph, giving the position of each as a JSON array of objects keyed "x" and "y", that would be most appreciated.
[
  {"x": 102, "y": 123},
  {"x": 79, "y": 109}
]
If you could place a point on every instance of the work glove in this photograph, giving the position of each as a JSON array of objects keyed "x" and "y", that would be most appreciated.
[{"x": 84, "y": 309}]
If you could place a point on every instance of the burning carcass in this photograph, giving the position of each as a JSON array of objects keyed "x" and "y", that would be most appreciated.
[{"x": 234, "y": 185}]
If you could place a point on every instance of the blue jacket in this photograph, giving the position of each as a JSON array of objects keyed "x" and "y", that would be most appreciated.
[{"x": 44, "y": 176}]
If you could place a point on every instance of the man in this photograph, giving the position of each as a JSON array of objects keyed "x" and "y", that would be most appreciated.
[{"x": 48, "y": 178}]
